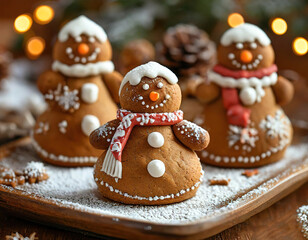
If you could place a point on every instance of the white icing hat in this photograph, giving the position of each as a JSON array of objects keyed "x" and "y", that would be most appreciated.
[
  {"x": 82, "y": 25},
  {"x": 151, "y": 70},
  {"x": 245, "y": 32}
]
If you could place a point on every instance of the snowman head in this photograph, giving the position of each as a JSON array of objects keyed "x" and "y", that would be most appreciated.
[
  {"x": 80, "y": 42},
  {"x": 150, "y": 88},
  {"x": 245, "y": 47}
]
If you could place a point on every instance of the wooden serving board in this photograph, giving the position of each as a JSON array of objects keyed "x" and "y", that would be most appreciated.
[{"x": 231, "y": 205}]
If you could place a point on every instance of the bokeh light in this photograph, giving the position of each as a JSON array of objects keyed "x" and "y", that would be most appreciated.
[
  {"x": 35, "y": 46},
  {"x": 235, "y": 19},
  {"x": 43, "y": 14},
  {"x": 300, "y": 46},
  {"x": 279, "y": 26},
  {"x": 23, "y": 23}
]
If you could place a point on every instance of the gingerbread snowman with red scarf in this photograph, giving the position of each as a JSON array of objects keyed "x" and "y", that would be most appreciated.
[
  {"x": 150, "y": 156},
  {"x": 243, "y": 100}
]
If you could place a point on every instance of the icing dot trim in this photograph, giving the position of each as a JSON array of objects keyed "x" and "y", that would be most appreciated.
[
  {"x": 61, "y": 158},
  {"x": 155, "y": 198},
  {"x": 242, "y": 159}
]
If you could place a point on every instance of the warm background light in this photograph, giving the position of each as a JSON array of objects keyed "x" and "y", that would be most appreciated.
[
  {"x": 43, "y": 14},
  {"x": 35, "y": 46},
  {"x": 279, "y": 26},
  {"x": 235, "y": 19},
  {"x": 300, "y": 46},
  {"x": 23, "y": 23}
]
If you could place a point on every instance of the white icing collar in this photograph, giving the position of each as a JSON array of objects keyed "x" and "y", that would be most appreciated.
[{"x": 83, "y": 70}]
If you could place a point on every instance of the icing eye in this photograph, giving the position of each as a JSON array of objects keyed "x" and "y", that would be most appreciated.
[
  {"x": 160, "y": 85},
  {"x": 145, "y": 86},
  {"x": 253, "y": 45},
  {"x": 231, "y": 56},
  {"x": 69, "y": 50},
  {"x": 91, "y": 39},
  {"x": 239, "y": 46},
  {"x": 78, "y": 39}
]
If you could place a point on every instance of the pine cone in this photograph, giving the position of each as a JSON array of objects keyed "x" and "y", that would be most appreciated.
[{"x": 187, "y": 50}]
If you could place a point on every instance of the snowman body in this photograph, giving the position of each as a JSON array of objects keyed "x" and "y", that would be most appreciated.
[
  {"x": 176, "y": 178},
  {"x": 79, "y": 91},
  {"x": 71, "y": 127},
  {"x": 265, "y": 138},
  {"x": 149, "y": 153}
]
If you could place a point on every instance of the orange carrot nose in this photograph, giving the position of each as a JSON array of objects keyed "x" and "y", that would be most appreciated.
[
  {"x": 154, "y": 96},
  {"x": 246, "y": 56},
  {"x": 83, "y": 48}
]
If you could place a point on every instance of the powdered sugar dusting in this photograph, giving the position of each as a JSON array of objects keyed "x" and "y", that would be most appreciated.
[
  {"x": 75, "y": 187},
  {"x": 302, "y": 218}
]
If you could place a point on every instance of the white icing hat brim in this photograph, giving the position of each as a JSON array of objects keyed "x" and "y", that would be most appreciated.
[
  {"x": 151, "y": 70},
  {"x": 82, "y": 25},
  {"x": 245, "y": 32}
]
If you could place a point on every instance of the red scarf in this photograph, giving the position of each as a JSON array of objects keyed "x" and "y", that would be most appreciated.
[
  {"x": 236, "y": 113},
  {"x": 130, "y": 119}
]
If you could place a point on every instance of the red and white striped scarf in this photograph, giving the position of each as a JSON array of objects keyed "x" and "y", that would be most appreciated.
[{"x": 128, "y": 121}]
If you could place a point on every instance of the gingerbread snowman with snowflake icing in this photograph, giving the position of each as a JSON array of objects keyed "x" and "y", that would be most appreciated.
[
  {"x": 81, "y": 92},
  {"x": 150, "y": 156},
  {"x": 243, "y": 100}
]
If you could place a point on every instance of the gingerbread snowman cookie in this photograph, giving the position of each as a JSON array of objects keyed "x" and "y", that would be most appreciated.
[
  {"x": 81, "y": 92},
  {"x": 243, "y": 100},
  {"x": 150, "y": 156}
]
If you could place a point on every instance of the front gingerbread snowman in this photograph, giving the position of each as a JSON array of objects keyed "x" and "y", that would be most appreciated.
[
  {"x": 242, "y": 102},
  {"x": 81, "y": 92},
  {"x": 150, "y": 158}
]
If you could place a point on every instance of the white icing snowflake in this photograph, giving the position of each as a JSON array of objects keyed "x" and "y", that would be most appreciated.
[
  {"x": 247, "y": 137},
  {"x": 66, "y": 99},
  {"x": 277, "y": 126}
]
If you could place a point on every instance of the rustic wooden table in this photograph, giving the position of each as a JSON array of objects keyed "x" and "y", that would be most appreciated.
[{"x": 276, "y": 222}]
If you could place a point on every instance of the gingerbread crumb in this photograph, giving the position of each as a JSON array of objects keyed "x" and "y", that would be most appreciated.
[
  {"x": 18, "y": 236},
  {"x": 219, "y": 181},
  {"x": 250, "y": 172}
]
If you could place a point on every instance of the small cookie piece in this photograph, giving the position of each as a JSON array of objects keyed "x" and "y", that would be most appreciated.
[
  {"x": 9, "y": 178},
  {"x": 101, "y": 137},
  {"x": 250, "y": 172},
  {"x": 35, "y": 172},
  {"x": 219, "y": 180},
  {"x": 191, "y": 135}
]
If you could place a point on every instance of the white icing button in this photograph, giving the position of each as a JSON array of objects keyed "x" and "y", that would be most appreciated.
[
  {"x": 89, "y": 92},
  {"x": 156, "y": 140},
  {"x": 248, "y": 96},
  {"x": 89, "y": 124},
  {"x": 156, "y": 168}
]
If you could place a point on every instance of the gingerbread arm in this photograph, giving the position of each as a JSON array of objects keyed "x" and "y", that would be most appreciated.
[
  {"x": 207, "y": 92},
  {"x": 101, "y": 137},
  {"x": 283, "y": 90},
  {"x": 191, "y": 135},
  {"x": 113, "y": 81},
  {"x": 49, "y": 80}
]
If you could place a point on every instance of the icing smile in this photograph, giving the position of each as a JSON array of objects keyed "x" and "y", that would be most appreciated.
[
  {"x": 157, "y": 105},
  {"x": 78, "y": 59},
  {"x": 243, "y": 66}
]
